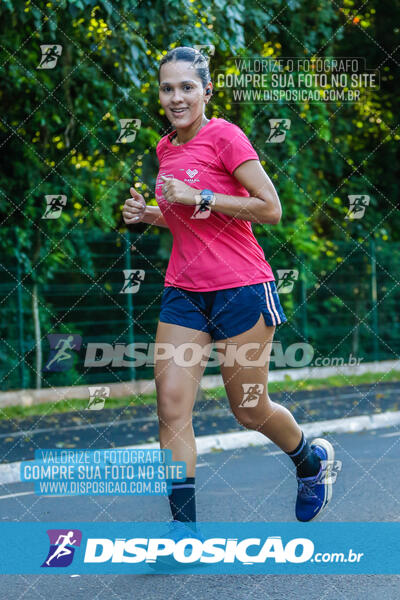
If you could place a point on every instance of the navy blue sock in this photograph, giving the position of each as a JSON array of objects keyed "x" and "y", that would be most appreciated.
[
  {"x": 306, "y": 460},
  {"x": 182, "y": 500}
]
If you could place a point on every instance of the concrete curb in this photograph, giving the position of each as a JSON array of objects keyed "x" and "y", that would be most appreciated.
[
  {"x": 10, "y": 473},
  {"x": 147, "y": 386}
]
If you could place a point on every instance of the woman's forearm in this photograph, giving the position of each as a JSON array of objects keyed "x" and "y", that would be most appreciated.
[
  {"x": 154, "y": 216},
  {"x": 262, "y": 206},
  {"x": 249, "y": 208}
]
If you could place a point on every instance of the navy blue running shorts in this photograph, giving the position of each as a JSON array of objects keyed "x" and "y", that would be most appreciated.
[{"x": 222, "y": 313}]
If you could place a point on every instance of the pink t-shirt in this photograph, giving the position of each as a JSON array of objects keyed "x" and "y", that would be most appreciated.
[{"x": 219, "y": 251}]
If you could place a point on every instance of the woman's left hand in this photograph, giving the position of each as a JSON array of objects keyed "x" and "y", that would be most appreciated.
[{"x": 175, "y": 190}]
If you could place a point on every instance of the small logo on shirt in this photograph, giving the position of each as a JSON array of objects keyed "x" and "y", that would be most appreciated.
[{"x": 192, "y": 175}]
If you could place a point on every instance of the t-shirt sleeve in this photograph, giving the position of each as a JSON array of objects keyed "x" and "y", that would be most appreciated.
[{"x": 234, "y": 148}]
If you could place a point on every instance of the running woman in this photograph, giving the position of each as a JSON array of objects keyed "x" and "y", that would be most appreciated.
[{"x": 218, "y": 286}]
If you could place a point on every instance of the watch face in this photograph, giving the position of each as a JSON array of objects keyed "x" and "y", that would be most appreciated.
[{"x": 207, "y": 194}]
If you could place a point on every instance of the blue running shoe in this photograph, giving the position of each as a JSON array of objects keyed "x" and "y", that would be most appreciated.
[
  {"x": 314, "y": 493},
  {"x": 178, "y": 530}
]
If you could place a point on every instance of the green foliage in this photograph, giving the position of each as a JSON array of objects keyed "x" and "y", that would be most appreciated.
[{"x": 59, "y": 126}]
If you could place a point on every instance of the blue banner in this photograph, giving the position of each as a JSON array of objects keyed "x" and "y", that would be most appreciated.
[{"x": 215, "y": 548}]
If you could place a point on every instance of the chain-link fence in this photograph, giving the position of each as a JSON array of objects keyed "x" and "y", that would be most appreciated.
[{"x": 107, "y": 308}]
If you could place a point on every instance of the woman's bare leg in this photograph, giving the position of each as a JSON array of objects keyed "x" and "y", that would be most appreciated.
[
  {"x": 176, "y": 393},
  {"x": 270, "y": 418}
]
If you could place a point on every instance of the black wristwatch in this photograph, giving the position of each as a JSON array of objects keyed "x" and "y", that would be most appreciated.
[{"x": 207, "y": 199}]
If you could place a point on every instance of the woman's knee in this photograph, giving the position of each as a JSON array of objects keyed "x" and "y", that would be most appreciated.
[
  {"x": 253, "y": 417},
  {"x": 173, "y": 405},
  {"x": 249, "y": 419}
]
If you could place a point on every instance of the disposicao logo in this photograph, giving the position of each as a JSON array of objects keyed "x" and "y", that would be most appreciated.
[{"x": 218, "y": 550}]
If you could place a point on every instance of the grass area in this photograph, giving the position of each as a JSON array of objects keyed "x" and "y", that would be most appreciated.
[
  {"x": 288, "y": 385},
  {"x": 63, "y": 406}
]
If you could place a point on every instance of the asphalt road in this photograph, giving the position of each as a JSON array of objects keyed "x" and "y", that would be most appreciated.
[
  {"x": 251, "y": 484},
  {"x": 133, "y": 425}
]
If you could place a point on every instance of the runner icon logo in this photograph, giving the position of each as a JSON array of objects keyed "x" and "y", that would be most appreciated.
[
  {"x": 251, "y": 394},
  {"x": 62, "y": 547},
  {"x": 205, "y": 51},
  {"x": 279, "y": 128},
  {"x": 98, "y": 395},
  {"x": 286, "y": 280},
  {"x": 133, "y": 279},
  {"x": 129, "y": 129},
  {"x": 50, "y": 55},
  {"x": 54, "y": 206},
  {"x": 357, "y": 206},
  {"x": 62, "y": 345}
]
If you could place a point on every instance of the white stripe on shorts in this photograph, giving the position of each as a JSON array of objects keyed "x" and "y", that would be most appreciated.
[{"x": 271, "y": 304}]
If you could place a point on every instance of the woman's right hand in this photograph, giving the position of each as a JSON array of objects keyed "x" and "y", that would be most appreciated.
[{"x": 134, "y": 208}]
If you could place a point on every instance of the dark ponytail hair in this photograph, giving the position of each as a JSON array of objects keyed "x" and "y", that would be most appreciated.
[{"x": 187, "y": 54}]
